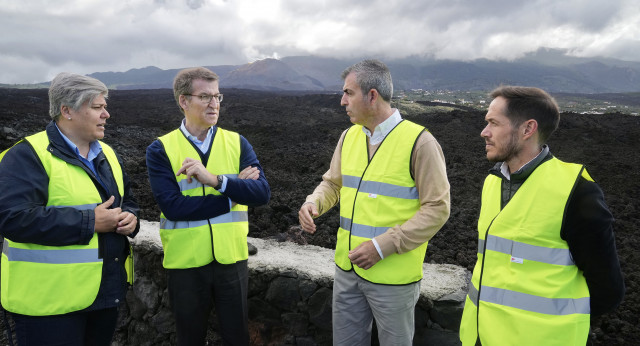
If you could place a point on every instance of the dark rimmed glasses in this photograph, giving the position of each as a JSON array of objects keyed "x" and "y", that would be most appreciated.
[{"x": 206, "y": 98}]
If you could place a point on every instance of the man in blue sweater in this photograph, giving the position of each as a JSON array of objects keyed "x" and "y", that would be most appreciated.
[{"x": 203, "y": 179}]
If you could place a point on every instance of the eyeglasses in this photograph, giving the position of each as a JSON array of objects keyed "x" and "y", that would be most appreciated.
[{"x": 207, "y": 98}]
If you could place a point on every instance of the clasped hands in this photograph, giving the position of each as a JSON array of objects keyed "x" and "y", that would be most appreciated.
[{"x": 114, "y": 220}]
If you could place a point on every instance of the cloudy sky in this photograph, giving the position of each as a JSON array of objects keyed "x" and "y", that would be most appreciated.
[{"x": 41, "y": 38}]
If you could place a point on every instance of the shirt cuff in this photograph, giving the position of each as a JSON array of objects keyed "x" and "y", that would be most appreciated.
[
  {"x": 375, "y": 243},
  {"x": 224, "y": 184}
]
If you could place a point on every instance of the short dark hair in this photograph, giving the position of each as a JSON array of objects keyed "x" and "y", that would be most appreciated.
[
  {"x": 183, "y": 82},
  {"x": 524, "y": 103},
  {"x": 372, "y": 74}
]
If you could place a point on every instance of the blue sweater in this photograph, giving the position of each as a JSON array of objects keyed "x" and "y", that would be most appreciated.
[{"x": 177, "y": 207}]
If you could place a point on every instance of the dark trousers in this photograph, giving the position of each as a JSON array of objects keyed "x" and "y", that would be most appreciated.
[
  {"x": 193, "y": 291},
  {"x": 72, "y": 329}
]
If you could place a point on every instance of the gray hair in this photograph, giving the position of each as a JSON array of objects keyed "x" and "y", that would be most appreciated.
[
  {"x": 183, "y": 82},
  {"x": 524, "y": 103},
  {"x": 372, "y": 74},
  {"x": 73, "y": 90}
]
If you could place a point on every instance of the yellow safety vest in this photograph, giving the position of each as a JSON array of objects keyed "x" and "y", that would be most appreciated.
[
  {"x": 189, "y": 244},
  {"x": 375, "y": 196},
  {"x": 40, "y": 280},
  {"x": 525, "y": 288}
]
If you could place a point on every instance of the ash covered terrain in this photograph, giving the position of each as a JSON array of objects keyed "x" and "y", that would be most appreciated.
[{"x": 294, "y": 136}]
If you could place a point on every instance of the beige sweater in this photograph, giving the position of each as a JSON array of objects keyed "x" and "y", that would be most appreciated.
[{"x": 429, "y": 171}]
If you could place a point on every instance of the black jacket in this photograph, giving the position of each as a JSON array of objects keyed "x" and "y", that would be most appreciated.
[
  {"x": 24, "y": 218},
  {"x": 588, "y": 230}
]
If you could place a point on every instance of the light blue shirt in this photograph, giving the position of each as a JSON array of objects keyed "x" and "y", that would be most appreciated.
[
  {"x": 382, "y": 130},
  {"x": 94, "y": 150},
  {"x": 203, "y": 146}
]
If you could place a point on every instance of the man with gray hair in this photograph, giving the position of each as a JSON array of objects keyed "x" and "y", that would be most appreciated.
[{"x": 390, "y": 178}]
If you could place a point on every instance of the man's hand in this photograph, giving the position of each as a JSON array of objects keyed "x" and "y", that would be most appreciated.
[
  {"x": 365, "y": 255},
  {"x": 195, "y": 169},
  {"x": 106, "y": 220},
  {"x": 127, "y": 223},
  {"x": 307, "y": 212},
  {"x": 249, "y": 173}
]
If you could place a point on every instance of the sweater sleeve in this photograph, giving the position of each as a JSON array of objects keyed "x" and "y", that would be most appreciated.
[
  {"x": 166, "y": 191},
  {"x": 248, "y": 191},
  {"x": 327, "y": 194},
  {"x": 588, "y": 230},
  {"x": 430, "y": 174}
]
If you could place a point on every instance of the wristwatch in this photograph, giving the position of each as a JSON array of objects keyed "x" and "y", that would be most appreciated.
[{"x": 220, "y": 179}]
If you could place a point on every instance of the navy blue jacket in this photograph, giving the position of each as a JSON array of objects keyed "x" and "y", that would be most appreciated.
[
  {"x": 177, "y": 207},
  {"x": 24, "y": 218}
]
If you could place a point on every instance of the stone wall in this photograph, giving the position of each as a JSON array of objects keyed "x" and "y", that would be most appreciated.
[{"x": 290, "y": 293}]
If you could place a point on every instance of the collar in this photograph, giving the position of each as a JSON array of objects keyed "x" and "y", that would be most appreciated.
[
  {"x": 382, "y": 130},
  {"x": 193, "y": 138},
  {"x": 524, "y": 171},
  {"x": 94, "y": 147}
]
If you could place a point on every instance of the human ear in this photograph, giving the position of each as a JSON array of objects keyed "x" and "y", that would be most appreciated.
[
  {"x": 529, "y": 127},
  {"x": 64, "y": 110},
  {"x": 182, "y": 100},
  {"x": 373, "y": 95}
]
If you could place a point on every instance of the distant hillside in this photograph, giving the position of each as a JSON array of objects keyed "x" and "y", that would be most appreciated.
[
  {"x": 549, "y": 69},
  {"x": 269, "y": 74}
]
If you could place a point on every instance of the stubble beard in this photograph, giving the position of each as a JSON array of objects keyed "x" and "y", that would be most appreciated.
[{"x": 510, "y": 150}]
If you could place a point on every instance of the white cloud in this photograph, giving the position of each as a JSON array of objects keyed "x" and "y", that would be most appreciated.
[{"x": 41, "y": 38}]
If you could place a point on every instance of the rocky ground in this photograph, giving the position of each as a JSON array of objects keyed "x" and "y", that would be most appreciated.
[{"x": 294, "y": 137}]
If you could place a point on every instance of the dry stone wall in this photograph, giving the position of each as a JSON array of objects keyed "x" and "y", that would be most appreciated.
[{"x": 290, "y": 294}]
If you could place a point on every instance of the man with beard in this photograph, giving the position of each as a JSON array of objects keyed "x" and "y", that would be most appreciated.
[
  {"x": 546, "y": 251},
  {"x": 390, "y": 178},
  {"x": 203, "y": 178}
]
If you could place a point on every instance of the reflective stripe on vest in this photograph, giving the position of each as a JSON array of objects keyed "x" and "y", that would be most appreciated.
[
  {"x": 525, "y": 287},
  {"x": 363, "y": 231},
  {"x": 234, "y": 216},
  {"x": 49, "y": 256},
  {"x": 528, "y": 302},
  {"x": 377, "y": 188},
  {"x": 189, "y": 244},
  {"x": 40, "y": 280},
  {"x": 375, "y": 196},
  {"x": 526, "y": 251}
]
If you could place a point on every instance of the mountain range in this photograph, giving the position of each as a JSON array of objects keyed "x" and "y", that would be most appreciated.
[{"x": 549, "y": 69}]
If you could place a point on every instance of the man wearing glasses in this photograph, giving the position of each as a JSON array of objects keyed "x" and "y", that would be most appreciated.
[{"x": 203, "y": 179}]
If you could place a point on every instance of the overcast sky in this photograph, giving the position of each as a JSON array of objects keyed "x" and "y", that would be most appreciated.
[{"x": 42, "y": 38}]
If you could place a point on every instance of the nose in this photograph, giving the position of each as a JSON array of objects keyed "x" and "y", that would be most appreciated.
[
  {"x": 485, "y": 132},
  {"x": 106, "y": 114},
  {"x": 343, "y": 100},
  {"x": 215, "y": 102}
]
